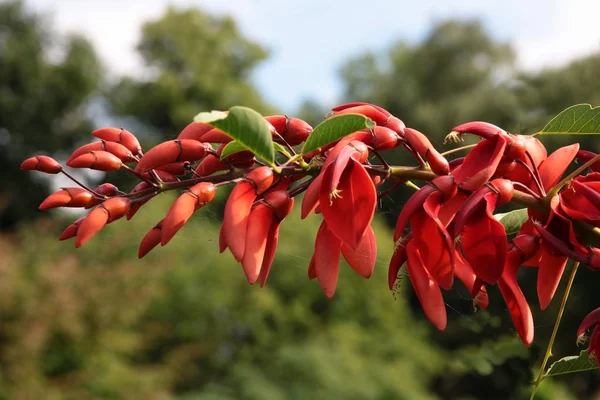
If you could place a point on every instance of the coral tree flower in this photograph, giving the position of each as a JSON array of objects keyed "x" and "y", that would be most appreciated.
[
  {"x": 482, "y": 237},
  {"x": 262, "y": 234},
  {"x": 591, "y": 320}
]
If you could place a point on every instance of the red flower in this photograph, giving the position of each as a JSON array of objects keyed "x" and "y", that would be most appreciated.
[
  {"x": 591, "y": 320},
  {"x": 513, "y": 295},
  {"x": 262, "y": 234},
  {"x": 237, "y": 210},
  {"x": 482, "y": 237},
  {"x": 325, "y": 263}
]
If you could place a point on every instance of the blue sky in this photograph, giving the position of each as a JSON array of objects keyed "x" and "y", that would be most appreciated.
[{"x": 309, "y": 40}]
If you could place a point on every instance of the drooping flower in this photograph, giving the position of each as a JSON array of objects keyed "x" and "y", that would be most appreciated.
[
  {"x": 482, "y": 237},
  {"x": 237, "y": 210}
]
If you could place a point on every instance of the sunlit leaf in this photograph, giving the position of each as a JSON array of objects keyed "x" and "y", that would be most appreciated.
[
  {"x": 580, "y": 119},
  {"x": 246, "y": 126},
  {"x": 335, "y": 128}
]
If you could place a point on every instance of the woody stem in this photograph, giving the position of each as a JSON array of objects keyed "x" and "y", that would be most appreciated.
[{"x": 561, "y": 310}]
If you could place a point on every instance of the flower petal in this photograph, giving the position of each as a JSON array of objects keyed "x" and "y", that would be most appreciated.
[{"x": 363, "y": 258}]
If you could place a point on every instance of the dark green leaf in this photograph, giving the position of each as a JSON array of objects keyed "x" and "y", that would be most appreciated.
[
  {"x": 246, "y": 126},
  {"x": 512, "y": 220},
  {"x": 571, "y": 364},
  {"x": 580, "y": 119},
  {"x": 335, "y": 128}
]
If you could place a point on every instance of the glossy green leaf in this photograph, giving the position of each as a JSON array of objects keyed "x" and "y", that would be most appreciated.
[
  {"x": 512, "y": 220},
  {"x": 580, "y": 119},
  {"x": 335, "y": 128},
  {"x": 235, "y": 147},
  {"x": 245, "y": 126},
  {"x": 232, "y": 147},
  {"x": 572, "y": 364}
]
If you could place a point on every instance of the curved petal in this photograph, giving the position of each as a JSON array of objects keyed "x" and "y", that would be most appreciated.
[
  {"x": 350, "y": 210},
  {"x": 363, "y": 258},
  {"x": 481, "y": 163},
  {"x": 428, "y": 292},
  {"x": 484, "y": 241},
  {"x": 518, "y": 306},
  {"x": 327, "y": 259},
  {"x": 552, "y": 168}
]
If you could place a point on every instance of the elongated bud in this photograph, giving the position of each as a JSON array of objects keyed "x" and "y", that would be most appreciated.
[
  {"x": 121, "y": 136},
  {"x": 385, "y": 138},
  {"x": 216, "y": 136},
  {"x": 293, "y": 130},
  {"x": 425, "y": 149},
  {"x": 97, "y": 160},
  {"x": 120, "y": 151},
  {"x": 172, "y": 151},
  {"x": 183, "y": 208},
  {"x": 151, "y": 240},
  {"x": 135, "y": 206},
  {"x": 176, "y": 168},
  {"x": 368, "y": 111},
  {"x": 43, "y": 164},
  {"x": 71, "y": 230},
  {"x": 261, "y": 177},
  {"x": 67, "y": 197},
  {"x": 194, "y": 131},
  {"x": 109, "y": 211}
]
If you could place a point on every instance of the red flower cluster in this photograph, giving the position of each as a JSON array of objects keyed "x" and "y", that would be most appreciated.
[{"x": 453, "y": 230}]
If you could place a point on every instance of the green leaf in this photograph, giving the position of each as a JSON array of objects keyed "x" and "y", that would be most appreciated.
[
  {"x": 335, "y": 128},
  {"x": 571, "y": 364},
  {"x": 235, "y": 147},
  {"x": 232, "y": 147},
  {"x": 246, "y": 126},
  {"x": 580, "y": 119},
  {"x": 512, "y": 220},
  {"x": 279, "y": 148}
]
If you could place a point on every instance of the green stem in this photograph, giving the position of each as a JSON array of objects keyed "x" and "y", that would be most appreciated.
[
  {"x": 561, "y": 310},
  {"x": 456, "y": 150}
]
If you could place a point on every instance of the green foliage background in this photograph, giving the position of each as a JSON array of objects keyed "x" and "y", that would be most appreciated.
[{"x": 183, "y": 323}]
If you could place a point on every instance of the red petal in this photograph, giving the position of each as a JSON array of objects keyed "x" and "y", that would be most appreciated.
[
  {"x": 235, "y": 219},
  {"x": 327, "y": 259},
  {"x": 427, "y": 290},
  {"x": 556, "y": 164},
  {"x": 350, "y": 213},
  {"x": 484, "y": 242},
  {"x": 363, "y": 259},
  {"x": 518, "y": 306},
  {"x": 434, "y": 243},
  {"x": 311, "y": 196},
  {"x": 480, "y": 164},
  {"x": 259, "y": 223},
  {"x": 590, "y": 320},
  {"x": 465, "y": 274},
  {"x": 272, "y": 241},
  {"x": 551, "y": 268},
  {"x": 413, "y": 205}
]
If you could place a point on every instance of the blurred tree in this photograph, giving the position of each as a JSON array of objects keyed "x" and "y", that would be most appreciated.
[
  {"x": 195, "y": 62},
  {"x": 435, "y": 84},
  {"x": 44, "y": 85},
  {"x": 184, "y": 323}
]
